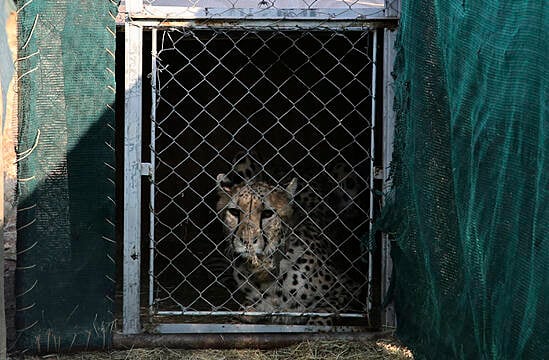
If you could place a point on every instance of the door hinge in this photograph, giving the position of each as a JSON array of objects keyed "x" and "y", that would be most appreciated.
[
  {"x": 146, "y": 169},
  {"x": 378, "y": 173}
]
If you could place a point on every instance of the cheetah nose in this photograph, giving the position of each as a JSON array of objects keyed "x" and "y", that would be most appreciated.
[{"x": 247, "y": 247}]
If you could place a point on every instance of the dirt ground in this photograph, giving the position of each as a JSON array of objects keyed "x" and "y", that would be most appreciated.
[{"x": 370, "y": 350}]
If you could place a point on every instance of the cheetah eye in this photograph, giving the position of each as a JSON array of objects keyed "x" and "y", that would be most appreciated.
[
  {"x": 265, "y": 214},
  {"x": 234, "y": 212}
]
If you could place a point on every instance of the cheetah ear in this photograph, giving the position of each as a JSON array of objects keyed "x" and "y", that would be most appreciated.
[
  {"x": 292, "y": 187},
  {"x": 224, "y": 184}
]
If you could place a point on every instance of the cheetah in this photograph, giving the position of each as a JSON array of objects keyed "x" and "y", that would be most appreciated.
[
  {"x": 346, "y": 188},
  {"x": 281, "y": 263}
]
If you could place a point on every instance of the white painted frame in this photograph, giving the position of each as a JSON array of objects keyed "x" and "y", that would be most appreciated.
[
  {"x": 168, "y": 10},
  {"x": 131, "y": 323},
  {"x": 392, "y": 10}
]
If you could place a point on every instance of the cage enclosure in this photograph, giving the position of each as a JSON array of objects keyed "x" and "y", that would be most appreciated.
[{"x": 261, "y": 163}]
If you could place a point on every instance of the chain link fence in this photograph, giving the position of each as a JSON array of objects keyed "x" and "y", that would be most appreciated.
[{"x": 261, "y": 105}]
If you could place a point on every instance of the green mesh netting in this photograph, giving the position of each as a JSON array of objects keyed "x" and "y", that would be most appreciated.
[
  {"x": 65, "y": 244},
  {"x": 471, "y": 185}
]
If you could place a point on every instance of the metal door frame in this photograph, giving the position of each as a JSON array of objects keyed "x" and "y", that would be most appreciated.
[{"x": 136, "y": 20}]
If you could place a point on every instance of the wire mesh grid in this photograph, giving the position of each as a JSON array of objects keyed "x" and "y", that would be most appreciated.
[{"x": 283, "y": 116}]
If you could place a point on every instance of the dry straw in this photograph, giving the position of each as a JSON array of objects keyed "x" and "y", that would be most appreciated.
[{"x": 370, "y": 350}]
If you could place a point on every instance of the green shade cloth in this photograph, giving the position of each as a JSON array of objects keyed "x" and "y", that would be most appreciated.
[
  {"x": 470, "y": 203},
  {"x": 65, "y": 267}
]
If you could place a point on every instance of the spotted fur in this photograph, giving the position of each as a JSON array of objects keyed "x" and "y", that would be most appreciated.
[{"x": 282, "y": 263}]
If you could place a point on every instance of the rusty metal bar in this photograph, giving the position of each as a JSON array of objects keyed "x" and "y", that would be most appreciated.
[
  {"x": 194, "y": 328},
  {"x": 284, "y": 24},
  {"x": 389, "y": 316},
  {"x": 152, "y": 149},
  {"x": 372, "y": 164},
  {"x": 234, "y": 341},
  {"x": 257, "y": 313}
]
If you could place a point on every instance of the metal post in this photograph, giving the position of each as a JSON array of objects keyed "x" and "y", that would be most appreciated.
[
  {"x": 372, "y": 166},
  {"x": 389, "y": 317},
  {"x": 152, "y": 168},
  {"x": 392, "y": 8},
  {"x": 132, "y": 177},
  {"x": 134, "y": 6}
]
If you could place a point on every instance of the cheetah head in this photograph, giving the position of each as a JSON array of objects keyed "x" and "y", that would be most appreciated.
[{"x": 256, "y": 216}]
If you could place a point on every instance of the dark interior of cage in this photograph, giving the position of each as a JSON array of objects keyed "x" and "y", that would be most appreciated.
[{"x": 295, "y": 104}]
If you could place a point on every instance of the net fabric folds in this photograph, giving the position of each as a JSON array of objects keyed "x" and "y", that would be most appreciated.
[
  {"x": 468, "y": 208},
  {"x": 65, "y": 262}
]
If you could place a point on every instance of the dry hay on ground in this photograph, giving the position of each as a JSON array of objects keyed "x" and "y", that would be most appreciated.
[{"x": 371, "y": 350}]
